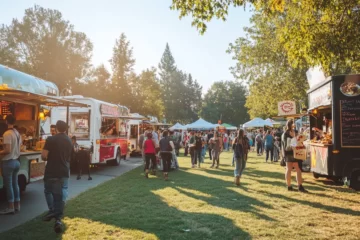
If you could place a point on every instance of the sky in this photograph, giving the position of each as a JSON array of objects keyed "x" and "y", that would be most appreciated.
[{"x": 149, "y": 25}]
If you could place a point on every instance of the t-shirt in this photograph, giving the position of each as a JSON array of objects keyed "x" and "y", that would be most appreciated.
[
  {"x": 58, "y": 162},
  {"x": 13, "y": 138},
  {"x": 269, "y": 140},
  {"x": 198, "y": 142}
]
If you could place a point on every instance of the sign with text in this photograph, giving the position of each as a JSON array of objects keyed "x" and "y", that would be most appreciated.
[
  {"x": 320, "y": 97},
  {"x": 286, "y": 108},
  {"x": 109, "y": 110},
  {"x": 350, "y": 123}
]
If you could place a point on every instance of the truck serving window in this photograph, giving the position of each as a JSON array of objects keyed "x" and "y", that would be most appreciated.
[{"x": 79, "y": 125}]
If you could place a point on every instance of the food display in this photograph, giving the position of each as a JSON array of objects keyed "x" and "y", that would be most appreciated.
[
  {"x": 350, "y": 89},
  {"x": 321, "y": 137}
]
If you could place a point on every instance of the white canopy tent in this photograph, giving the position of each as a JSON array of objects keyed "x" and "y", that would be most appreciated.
[
  {"x": 177, "y": 126},
  {"x": 257, "y": 122},
  {"x": 200, "y": 124},
  {"x": 273, "y": 122}
]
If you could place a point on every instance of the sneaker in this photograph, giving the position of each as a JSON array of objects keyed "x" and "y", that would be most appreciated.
[
  {"x": 7, "y": 211},
  {"x": 58, "y": 227},
  {"x": 217, "y": 166},
  {"x": 48, "y": 216},
  {"x": 290, "y": 188},
  {"x": 302, "y": 189}
]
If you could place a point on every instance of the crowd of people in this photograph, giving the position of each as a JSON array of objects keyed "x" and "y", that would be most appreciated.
[{"x": 164, "y": 145}]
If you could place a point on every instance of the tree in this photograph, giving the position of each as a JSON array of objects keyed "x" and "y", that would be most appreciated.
[
  {"x": 205, "y": 11},
  {"x": 226, "y": 101},
  {"x": 263, "y": 64},
  {"x": 47, "y": 46},
  {"x": 97, "y": 84},
  {"x": 312, "y": 32},
  {"x": 122, "y": 63},
  {"x": 147, "y": 94}
]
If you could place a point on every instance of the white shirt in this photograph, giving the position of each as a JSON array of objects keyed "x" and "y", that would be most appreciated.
[{"x": 13, "y": 138}]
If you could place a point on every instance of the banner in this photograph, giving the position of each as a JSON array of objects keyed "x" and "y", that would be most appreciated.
[{"x": 286, "y": 108}]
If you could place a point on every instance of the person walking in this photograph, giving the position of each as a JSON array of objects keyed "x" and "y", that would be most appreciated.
[
  {"x": 166, "y": 148},
  {"x": 57, "y": 152},
  {"x": 288, "y": 153},
  {"x": 10, "y": 165},
  {"x": 150, "y": 154},
  {"x": 269, "y": 146},
  {"x": 239, "y": 155},
  {"x": 226, "y": 142},
  {"x": 217, "y": 147}
]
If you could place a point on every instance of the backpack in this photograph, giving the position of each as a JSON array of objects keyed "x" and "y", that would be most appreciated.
[{"x": 258, "y": 139}]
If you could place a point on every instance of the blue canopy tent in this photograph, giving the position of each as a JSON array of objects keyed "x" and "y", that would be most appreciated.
[{"x": 200, "y": 124}]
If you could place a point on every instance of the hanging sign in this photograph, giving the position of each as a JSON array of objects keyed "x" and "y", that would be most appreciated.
[
  {"x": 109, "y": 110},
  {"x": 320, "y": 97},
  {"x": 286, "y": 108}
]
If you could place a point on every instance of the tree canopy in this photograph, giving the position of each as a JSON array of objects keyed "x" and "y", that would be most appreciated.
[{"x": 225, "y": 101}]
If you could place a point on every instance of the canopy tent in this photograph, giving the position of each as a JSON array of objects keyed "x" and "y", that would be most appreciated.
[
  {"x": 257, "y": 122},
  {"x": 177, "y": 126},
  {"x": 273, "y": 122},
  {"x": 228, "y": 126},
  {"x": 200, "y": 124}
]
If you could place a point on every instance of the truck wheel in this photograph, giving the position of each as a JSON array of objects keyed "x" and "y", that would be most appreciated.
[
  {"x": 22, "y": 183},
  {"x": 116, "y": 161},
  {"x": 355, "y": 180},
  {"x": 316, "y": 176}
]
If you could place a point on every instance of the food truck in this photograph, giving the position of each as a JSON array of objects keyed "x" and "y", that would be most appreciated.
[
  {"x": 27, "y": 98},
  {"x": 101, "y": 128},
  {"x": 334, "y": 147}
]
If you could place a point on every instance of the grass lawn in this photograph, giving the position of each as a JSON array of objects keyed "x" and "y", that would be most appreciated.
[{"x": 205, "y": 204}]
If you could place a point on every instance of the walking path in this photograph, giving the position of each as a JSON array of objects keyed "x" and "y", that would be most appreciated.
[{"x": 33, "y": 201}]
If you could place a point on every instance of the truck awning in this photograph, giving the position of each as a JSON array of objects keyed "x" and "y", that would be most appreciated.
[{"x": 13, "y": 95}]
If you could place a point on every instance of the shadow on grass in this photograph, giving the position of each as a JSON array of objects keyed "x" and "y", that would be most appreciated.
[
  {"x": 332, "y": 209},
  {"x": 133, "y": 203}
]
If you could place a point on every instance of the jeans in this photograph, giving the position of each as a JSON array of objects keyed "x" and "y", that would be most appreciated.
[
  {"x": 210, "y": 153},
  {"x": 174, "y": 159},
  {"x": 269, "y": 149},
  {"x": 10, "y": 170},
  {"x": 166, "y": 159},
  {"x": 197, "y": 156},
  {"x": 233, "y": 159},
  {"x": 56, "y": 192},
  {"x": 226, "y": 146},
  {"x": 259, "y": 148},
  {"x": 240, "y": 164}
]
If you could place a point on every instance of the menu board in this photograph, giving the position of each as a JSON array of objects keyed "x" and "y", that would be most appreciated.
[{"x": 350, "y": 123}]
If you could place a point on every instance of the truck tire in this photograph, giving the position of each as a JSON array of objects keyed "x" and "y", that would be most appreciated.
[
  {"x": 316, "y": 176},
  {"x": 355, "y": 180},
  {"x": 22, "y": 183},
  {"x": 117, "y": 160}
]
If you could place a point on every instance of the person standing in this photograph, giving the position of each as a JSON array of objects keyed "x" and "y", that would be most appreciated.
[
  {"x": 269, "y": 146},
  {"x": 226, "y": 142},
  {"x": 198, "y": 149},
  {"x": 209, "y": 137},
  {"x": 53, "y": 129},
  {"x": 57, "y": 152},
  {"x": 11, "y": 166},
  {"x": 259, "y": 143},
  {"x": 192, "y": 149},
  {"x": 150, "y": 154},
  {"x": 166, "y": 148},
  {"x": 288, "y": 153},
  {"x": 217, "y": 147}
]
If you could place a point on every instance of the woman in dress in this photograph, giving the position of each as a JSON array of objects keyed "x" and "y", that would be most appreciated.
[{"x": 288, "y": 153}]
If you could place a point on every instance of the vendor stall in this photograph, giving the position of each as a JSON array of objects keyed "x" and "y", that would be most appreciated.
[
  {"x": 334, "y": 149},
  {"x": 28, "y": 99}
]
